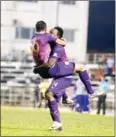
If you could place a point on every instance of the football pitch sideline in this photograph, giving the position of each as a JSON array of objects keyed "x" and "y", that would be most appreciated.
[{"x": 35, "y": 122}]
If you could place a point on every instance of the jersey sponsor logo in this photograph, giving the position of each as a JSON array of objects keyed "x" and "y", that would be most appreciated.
[
  {"x": 66, "y": 63},
  {"x": 55, "y": 112},
  {"x": 55, "y": 55},
  {"x": 88, "y": 80},
  {"x": 35, "y": 49},
  {"x": 54, "y": 84}
]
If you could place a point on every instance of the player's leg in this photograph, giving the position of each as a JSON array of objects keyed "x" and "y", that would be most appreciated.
[
  {"x": 53, "y": 106},
  {"x": 56, "y": 90},
  {"x": 99, "y": 105},
  {"x": 84, "y": 76},
  {"x": 66, "y": 99},
  {"x": 69, "y": 68},
  {"x": 104, "y": 104},
  {"x": 62, "y": 69},
  {"x": 41, "y": 100}
]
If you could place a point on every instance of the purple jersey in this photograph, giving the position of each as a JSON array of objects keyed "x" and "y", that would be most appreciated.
[
  {"x": 59, "y": 53},
  {"x": 41, "y": 48}
]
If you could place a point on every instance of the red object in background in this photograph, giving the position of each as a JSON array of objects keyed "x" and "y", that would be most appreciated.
[
  {"x": 100, "y": 74},
  {"x": 114, "y": 68}
]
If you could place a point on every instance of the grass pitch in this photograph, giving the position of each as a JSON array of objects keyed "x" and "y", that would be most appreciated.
[{"x": 34, "y": 122}]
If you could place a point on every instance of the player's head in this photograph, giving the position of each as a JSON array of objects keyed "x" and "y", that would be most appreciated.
[
  {"x": 59, "y": 31},
  {"x": 40, "y": 26}
]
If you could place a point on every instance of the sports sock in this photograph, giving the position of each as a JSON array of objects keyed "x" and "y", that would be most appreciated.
[
  {"x": 86, "y": 81},
  {"x": 53, "y": 106},
  {"x": 64, "y": 96},
  {"x": 51, "y": 113}
]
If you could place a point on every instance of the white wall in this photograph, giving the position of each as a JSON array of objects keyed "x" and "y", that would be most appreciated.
[
  {"x": 27, "y": 13},
  {"x": 76, "y": 18}
]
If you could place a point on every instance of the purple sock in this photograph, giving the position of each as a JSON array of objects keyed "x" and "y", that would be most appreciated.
[
  {"x": 53, "y": 106},
  {"x": 51, "y": 113},
  {"x": 86, "y": 81},
  {"x": 64, "y": 96}
]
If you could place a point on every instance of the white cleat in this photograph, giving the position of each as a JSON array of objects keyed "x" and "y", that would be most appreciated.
[
  {"x": 56, "y": 126},
  {"x": 68, "y": 101}
]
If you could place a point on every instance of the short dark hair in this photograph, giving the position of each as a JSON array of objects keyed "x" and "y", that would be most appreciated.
[
  {"x": 40, "y": 26},
  {"x": 60, "y": 31}
]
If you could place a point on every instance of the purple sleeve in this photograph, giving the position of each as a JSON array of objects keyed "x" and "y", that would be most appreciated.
[
  {"x": 58, "y": 52},
  {"x": 51, "y": 38}
]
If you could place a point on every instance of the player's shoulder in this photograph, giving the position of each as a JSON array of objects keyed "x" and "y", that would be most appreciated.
[
  {"x": 47, "y": 33},
  {"x": 33, "y": 36}
]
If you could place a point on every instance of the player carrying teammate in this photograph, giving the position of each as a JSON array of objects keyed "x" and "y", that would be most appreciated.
[
  {"x": 52, "y": 68},
  {"x": 58, "y": 85}
]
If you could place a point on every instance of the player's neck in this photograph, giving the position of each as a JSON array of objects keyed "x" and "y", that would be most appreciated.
[{"x": 41, "y": 32}]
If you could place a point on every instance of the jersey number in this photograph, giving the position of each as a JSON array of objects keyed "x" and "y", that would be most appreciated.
[{"x": 35, "y": 47}]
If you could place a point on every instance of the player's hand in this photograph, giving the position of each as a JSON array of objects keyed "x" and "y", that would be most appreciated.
[
  {"x": 35, "y": 66},
  {"x": 64, "y": 40},
  {"x": 35, "y": 70},
  {"x": 61, "y": 42}
]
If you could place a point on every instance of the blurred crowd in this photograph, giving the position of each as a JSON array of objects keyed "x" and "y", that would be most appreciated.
[
  {"x": 107, "y": 62},
  {"x": 17, "y": 56},
  {"x": 108, "y": 65}
]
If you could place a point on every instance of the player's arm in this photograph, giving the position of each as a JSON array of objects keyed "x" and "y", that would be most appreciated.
[
  {"x": 57, "y": 53},
  {"x": 61, "y": 42},
  {"x": 49, "y": 64},
  {"x": 53, "y": 58},
  {"x": 57, "y": 40}
]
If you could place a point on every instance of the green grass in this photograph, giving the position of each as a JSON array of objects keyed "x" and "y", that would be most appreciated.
[{"x": 33, "y": 122}]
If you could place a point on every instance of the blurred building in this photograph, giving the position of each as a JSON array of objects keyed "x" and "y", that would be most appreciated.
[
  {"x": 101, "y": 30},
  {"x": 18, "y": 19}
]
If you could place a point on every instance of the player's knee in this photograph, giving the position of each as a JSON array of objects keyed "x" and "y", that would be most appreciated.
[
  {"x": 80, "y": 67},
  {"x": 48, "y": 95},
  {"x": 50, "y": 65}
]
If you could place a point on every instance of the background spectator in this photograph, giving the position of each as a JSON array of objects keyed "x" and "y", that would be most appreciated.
[
  {"x": 36, "y": 96},
  {"x": 104, "y": 86},
  {"x": 81, "y": 98},
  {"x": 110, "y": 64}
]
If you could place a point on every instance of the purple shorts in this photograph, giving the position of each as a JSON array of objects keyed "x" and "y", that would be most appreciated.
[
  {"x": 59, "y": 85},
  {"x": 61, "y": 69}
]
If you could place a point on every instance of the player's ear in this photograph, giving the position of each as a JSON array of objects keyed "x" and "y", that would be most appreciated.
[
  {"x": 58, "y": 36},
  {"x": 46, "y": 30}
]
